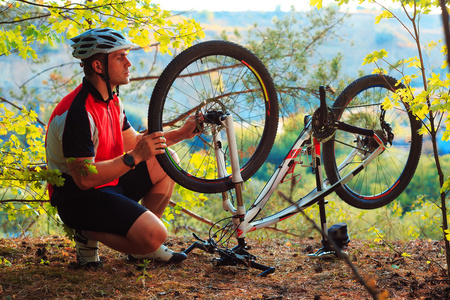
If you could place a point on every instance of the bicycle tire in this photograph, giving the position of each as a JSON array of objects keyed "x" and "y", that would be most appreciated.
[
  {"x": 389, "y": 174},
  {"x": 215, "y": 76}
]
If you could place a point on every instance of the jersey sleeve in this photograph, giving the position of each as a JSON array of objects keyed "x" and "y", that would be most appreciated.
[
  {"x": 126, "y": 123},
  {"x": 77, "y": 137},
  {"x": 123, "y": 116}
]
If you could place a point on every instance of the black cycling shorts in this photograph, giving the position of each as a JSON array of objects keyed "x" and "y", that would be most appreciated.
[{"x": 111, "y": 209}]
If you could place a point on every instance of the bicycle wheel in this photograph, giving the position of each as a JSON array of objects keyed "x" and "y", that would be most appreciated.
[
  {"x": 389, "y": 174},
  {"x": 215, "y": 77}
]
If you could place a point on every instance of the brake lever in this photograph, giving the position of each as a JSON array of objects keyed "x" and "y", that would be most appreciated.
[
  {"x": 199, "y": 126},
  {"x": 200, "y": 244}
]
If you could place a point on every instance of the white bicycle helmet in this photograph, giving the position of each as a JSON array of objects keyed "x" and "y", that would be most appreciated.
[{"x": 99, "y": 40}]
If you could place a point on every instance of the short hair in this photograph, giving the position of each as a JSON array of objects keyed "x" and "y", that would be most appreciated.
[{"x": 87, "y": 63}]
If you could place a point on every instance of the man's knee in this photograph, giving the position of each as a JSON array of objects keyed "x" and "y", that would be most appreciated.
[
  {"x": 152, "y": 240},
  {"x": 148, "y": 233},
  {"x": 156, "y": 173},
  {"x": 155, "y": 238}
]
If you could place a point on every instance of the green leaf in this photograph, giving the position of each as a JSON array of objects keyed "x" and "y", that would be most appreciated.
[{"x": 375, "y": 56}]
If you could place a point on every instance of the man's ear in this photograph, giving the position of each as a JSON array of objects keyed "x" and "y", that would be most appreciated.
[{"x": 97, "y": 66}]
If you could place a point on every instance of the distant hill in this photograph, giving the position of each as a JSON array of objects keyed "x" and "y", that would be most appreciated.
[
  {"x": 360, "y": 34},
  {"x": 358, "y": 37}
]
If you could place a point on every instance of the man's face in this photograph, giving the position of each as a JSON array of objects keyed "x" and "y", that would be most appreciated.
[{"x": 118, "y": 67}]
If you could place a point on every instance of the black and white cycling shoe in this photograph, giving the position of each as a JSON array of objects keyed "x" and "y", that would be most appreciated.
[
  {"x": 87, "y": 251},
  {"x": 324, "y": 253},
  {"x": 163, "y": 254}
]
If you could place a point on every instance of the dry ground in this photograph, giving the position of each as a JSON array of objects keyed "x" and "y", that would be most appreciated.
[{"x": 44, "y": 268}]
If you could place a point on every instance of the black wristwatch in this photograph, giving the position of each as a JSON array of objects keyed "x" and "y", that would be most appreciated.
[{"x": 129, "y": 160}]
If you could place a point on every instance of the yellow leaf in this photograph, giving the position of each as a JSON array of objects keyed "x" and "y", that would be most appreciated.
[
  {"x": 317, "y": 3},
  {"x": 384, "y": 15}
]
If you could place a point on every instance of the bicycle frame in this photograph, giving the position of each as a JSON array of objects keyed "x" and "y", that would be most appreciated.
[{"x": 246, "y": 221}]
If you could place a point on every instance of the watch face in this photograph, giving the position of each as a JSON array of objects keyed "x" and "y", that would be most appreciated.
[{"x": 129, "y": 160}]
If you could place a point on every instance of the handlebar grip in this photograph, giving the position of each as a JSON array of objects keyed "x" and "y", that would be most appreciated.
[{"x": 267, "y": 270}]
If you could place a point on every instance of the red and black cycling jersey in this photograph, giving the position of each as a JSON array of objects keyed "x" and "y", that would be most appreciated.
[{"x": 85, "y": 125}]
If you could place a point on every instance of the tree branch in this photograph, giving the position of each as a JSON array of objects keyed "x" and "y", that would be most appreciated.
[
  {"x": 22, "y": 201},
  {"x": 24, "y": 20},
  {"x": 46, "y": 70},
  {"x": 210, "y": 223},
  {"x": 19, "y": 108}
]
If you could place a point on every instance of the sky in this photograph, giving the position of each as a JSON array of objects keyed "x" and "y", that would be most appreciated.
[
  {"x": 231, "y": 5},
  {"x": 255, "y": 5},
  {"x": 262, "y": 5}
]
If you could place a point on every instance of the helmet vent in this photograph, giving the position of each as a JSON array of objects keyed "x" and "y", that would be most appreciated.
[
  {"x": 109, "y": 38},
  {"x": 89, "y": 39},
  {"x": 118, "y": 35},
  {"x": 104, "y": 46},
  {"x": 86, "y": 45}
]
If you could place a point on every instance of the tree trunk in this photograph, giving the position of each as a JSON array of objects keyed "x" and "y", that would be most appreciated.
[{"x": 443, "y": 201}]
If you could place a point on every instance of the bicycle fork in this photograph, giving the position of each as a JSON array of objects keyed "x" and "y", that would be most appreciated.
[
  {"x": 239, "y": 254},
  {"x": 239, "y": 211}
]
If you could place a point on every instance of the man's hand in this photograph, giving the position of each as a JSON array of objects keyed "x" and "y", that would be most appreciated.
[
  {"x": 148, "y": 146},
  {"x": 192, "y": 127}
]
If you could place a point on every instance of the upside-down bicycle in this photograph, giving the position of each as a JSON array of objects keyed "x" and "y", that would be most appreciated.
[{"x": 369, "y": 153}]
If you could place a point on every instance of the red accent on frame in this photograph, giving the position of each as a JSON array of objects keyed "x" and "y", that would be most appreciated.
[
  {"x": 293, "y": 153},
  {"x": 317, "y": 146}
]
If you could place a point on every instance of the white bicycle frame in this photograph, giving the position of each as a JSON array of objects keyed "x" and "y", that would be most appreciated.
[{"x": 245, "y": 221}]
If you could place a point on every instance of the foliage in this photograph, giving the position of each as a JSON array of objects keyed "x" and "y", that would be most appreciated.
[
  {"x": 23, "y": 165},
  {"x": 145, "y": 22}
]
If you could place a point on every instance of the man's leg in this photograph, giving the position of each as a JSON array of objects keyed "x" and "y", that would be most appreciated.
[
  {"x": 138, "y": 240},
  {"x": 157, "y": 199},
  {"x": 145, "y": 236}
]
